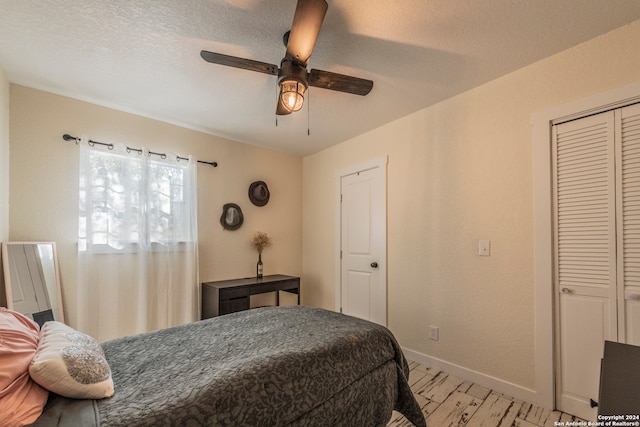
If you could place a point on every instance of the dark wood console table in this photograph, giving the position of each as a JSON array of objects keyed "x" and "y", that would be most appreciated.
[{"x": 229, "y": 296}]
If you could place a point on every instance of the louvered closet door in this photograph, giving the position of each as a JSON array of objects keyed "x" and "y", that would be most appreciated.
[
  {"x": 628, "y": 155},
  {"x": 585, "y": 257}
]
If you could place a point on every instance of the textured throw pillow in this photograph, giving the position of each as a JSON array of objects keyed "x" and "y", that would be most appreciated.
[
  {"x": 71, "y": 364},
  {"x": 21, "y": 400}
]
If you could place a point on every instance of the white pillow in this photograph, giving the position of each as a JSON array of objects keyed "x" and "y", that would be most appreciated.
[{"x": 71, "y": 363}]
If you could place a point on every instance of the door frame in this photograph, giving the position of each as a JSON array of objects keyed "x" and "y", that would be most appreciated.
[
  {"x": 379, "y": 162},
  {"x": 541, "y": 123}
]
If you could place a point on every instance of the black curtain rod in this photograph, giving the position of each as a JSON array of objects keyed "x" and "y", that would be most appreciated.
[{"x": 68, "y": 137}]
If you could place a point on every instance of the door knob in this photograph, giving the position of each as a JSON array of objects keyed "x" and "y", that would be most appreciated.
[{"x": 374, "y": 265}]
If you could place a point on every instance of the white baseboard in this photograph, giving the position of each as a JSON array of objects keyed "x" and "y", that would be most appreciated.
[{"x": 484, "y": 380}]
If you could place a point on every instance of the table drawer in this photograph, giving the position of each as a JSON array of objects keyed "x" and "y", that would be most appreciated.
[
  {"x": 232, "y": 293},
  {"x": 271, "y": 287},
  {"x": 231, "y": 306}
]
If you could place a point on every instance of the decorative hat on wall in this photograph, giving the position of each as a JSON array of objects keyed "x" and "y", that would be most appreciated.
[
  {"x": 259, "y": 193},
  {"x": 232, "y": 217}
]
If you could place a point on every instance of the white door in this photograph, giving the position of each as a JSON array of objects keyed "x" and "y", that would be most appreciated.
[
  {"x": 628, "y": 220},
  {"x": 363, "y": 275},
  {"x": 585, "y": 261},
  {"x": 632, "y": 318}
]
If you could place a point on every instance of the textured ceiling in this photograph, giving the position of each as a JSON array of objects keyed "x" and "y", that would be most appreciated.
[{"x": 143, "y": 56}]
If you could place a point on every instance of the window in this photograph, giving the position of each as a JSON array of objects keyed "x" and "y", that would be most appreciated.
[{"x": 130, "y": 199}]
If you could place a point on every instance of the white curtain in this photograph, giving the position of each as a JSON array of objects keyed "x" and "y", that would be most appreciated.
[{"x": 137, "y": 241}]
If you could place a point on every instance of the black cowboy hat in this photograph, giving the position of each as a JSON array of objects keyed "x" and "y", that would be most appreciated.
[{"x": 259, "y": 193}]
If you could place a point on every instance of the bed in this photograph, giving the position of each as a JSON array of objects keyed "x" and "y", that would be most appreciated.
[{"x": 272, "y": 366}]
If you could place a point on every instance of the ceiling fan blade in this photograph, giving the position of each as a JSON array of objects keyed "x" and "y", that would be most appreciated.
[
  {"x": 339, "y": 82},
  {"x": 280, "y": 110},
  {"x": 234, "y": 61},
  {"x": 305, "y": 28}
]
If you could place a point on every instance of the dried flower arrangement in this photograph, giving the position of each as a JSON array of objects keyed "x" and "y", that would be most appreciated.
[{"x": 261, "y": 241}]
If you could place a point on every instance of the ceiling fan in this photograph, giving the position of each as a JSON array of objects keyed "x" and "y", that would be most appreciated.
[{"x": 293, "y": 78}]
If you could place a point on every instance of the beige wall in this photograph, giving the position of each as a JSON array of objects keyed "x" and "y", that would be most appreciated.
[
  {"x": 4, "y": 157},
  {"x": 459, "y": 172},
  {"x": 44, "y": 185}
]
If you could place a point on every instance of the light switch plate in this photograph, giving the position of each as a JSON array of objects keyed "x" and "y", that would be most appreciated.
[
  {"x": 484, "y": 247},
  {"x": 434, "y": 333}
]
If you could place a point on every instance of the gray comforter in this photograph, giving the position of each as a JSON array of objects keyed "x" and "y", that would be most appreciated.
[{"x": 272, "y": 366}]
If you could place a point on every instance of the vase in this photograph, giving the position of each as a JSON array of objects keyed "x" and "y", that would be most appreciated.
[{"x": 259, "y": 267}]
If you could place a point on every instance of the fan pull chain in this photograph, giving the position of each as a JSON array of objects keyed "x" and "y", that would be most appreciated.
[
  {"x": 277, "y": 100},
  {"x": 308, "y": 111}
]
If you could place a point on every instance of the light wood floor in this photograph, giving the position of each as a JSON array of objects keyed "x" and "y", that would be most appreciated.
[{"x": 449, "y": 401}]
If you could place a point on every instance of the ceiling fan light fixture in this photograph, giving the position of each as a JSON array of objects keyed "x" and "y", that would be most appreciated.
[{"x": 292, "y": 94}]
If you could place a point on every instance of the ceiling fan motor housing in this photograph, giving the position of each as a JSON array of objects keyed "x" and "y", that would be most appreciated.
[{"x": 290, "y": 70}]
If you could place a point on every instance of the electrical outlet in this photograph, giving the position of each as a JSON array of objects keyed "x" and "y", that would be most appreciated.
[{"x": 433, "y": 333}]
